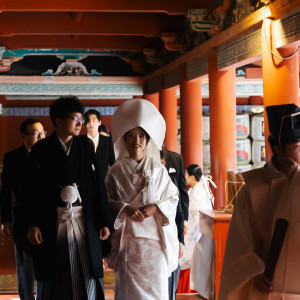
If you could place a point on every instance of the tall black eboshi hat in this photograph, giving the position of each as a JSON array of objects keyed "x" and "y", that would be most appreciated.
[{"x": 284, "y": 124}]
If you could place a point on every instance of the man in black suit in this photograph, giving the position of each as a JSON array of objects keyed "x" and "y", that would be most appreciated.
[
  {"x": 13, "y": 203},
  {"x": 174, "y": 164},
  {"x": 69, "y": 212},
  {"x": 102, "y": 142}
]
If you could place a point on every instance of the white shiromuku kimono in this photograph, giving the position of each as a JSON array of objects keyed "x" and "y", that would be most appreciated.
[
  {"x": 144, "y": 253},
  {"x": 267, "y": 195},
  {"x": 200, "y": 199}
]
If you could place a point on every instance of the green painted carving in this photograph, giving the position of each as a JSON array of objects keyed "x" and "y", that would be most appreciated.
[
  {"x": 2, "y": 50},
  {"x": 202, "y": 21},
  {"x": 64, "y": 53}
]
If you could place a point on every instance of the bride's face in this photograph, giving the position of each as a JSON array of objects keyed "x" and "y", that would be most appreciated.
[{"x": 135, "y": 141}]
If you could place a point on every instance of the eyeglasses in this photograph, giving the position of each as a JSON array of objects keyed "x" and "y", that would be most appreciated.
[
  {"x": 38, "y": 134},
  {"x": 76, "y": 119}
]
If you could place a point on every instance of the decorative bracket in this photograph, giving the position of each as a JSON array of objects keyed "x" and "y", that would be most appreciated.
[
  {"x": 5, "y": 62},
  {"x": 171, "y": 41},
  {"x": 201, "y": 21},
  {"x": 152, "y": 56},
  {"x": 2, "y": 50},
  {"x": 71, "y": 68}
]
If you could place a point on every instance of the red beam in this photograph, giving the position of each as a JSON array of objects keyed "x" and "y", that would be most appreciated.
[
  {"x": 166, "y": 6},
  {"x": 62, "y": 23},
  {"x": 97, "y": 43}
]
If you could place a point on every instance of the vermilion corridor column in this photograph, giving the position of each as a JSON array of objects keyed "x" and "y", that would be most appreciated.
[
  {"x": 153, "y": 98},
  {"x": 168, "y": 109},
  {"x": 222, "y": 110},
  {"x": 280, "y": 76},
  {"x": 191, "y": 120}
]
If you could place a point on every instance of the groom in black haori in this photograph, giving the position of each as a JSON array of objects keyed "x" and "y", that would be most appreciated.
[{"x": 68, "y": 213}]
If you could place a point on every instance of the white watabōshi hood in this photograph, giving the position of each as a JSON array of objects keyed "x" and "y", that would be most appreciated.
[{"x": 138, "y": 113}]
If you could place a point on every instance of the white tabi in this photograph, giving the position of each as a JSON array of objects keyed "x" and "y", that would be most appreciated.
[
  {"x": 200, "y": 199},
  {"x": 143, "y": 253},
  {"x": 267, "y": 196}
]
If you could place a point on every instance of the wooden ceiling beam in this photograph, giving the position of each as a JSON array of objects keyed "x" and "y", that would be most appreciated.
[
  {"x": 165, "y": 6},
  {"x": 97, "y": 43},
  {"x": 279, "y": 9},
  {"x": 62, "y": 23}
]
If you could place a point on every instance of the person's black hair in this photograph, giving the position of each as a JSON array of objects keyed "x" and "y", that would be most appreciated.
[
  {"x": 162, "y": 155},
  {"x": 145, "y": 132},
  {"x": 64, "y": 106},
  {"x": 194, "y": 170},
  {"x": 163, "y": 152},
  {"x": 274, "y": 144},
  {"x": 26, "y": 123},
  {"x": 103, "y": 129},
  {"x": 91, "y": 112}
]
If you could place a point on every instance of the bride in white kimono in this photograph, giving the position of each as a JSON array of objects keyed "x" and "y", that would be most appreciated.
[{"x": 144, "y": 201}]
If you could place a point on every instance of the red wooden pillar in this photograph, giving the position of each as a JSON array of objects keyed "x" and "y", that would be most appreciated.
[
  {"x": 222, "y": 109},
  {"x": 168, "y": 109},
  {"x": 191, "y": 120},
  {"x": 280, "y": 76},
  {"x": 153, "y": 98}
]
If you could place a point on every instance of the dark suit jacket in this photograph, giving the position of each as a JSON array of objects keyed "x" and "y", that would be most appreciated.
[
  {"x": 174, "y": 162},
  {"x": 13, "y": 186},
  {"x": 47, "y": 163},
  {"x": 105, "y": 155}
]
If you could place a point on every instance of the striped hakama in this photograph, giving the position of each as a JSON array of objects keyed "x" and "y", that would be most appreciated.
[{"x": 73, "y": 275}]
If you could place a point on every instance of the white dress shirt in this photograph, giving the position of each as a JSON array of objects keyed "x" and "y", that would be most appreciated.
[{"x": 95, "y": 140}]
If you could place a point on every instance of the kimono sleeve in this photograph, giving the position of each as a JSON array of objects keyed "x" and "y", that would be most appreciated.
[
  {"x": 241, "y": 262},
  {"x": 183, "y": 194},
  {"x": 115, "y": 203},
  {"x": 168, "y": 201},
  {"x": 106, "y": 219}
]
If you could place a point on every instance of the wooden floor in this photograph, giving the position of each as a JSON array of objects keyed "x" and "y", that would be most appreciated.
[
  {"x": 109, "y": 295},
  {"x": 7, "y": 255},
  {"x": 8, "y": 281}
]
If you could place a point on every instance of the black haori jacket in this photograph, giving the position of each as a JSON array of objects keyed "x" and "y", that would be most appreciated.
[{"x": 51, "y": 168}]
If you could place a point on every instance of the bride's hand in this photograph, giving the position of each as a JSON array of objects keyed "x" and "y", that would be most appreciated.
[
  {"x": 134, "y": 213},
  {"x": 149, "y": 210}
]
